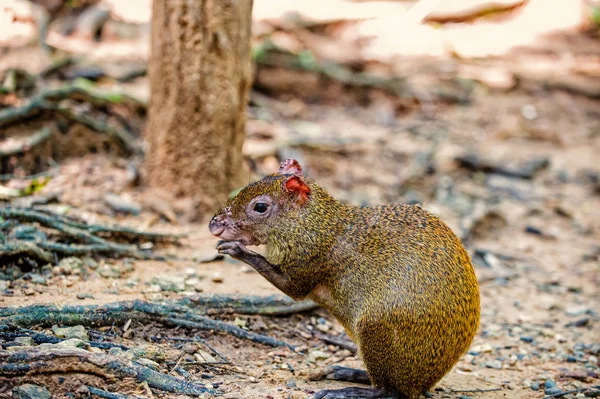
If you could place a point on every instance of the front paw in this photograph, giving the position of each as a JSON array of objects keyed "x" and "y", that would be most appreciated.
[{"x": 235, "y": 249}]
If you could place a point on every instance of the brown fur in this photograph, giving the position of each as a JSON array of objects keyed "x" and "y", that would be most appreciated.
[{"x": 395, "y": 276}]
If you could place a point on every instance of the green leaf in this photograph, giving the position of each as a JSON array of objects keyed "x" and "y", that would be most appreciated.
[
  {"x": 35, "y": 186},
  {"x": 307, "y": 60}
]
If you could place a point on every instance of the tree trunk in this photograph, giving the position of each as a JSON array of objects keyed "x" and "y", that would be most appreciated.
[{"x": 200, "y": 75}]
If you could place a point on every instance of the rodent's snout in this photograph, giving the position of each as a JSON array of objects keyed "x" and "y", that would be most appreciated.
[{"x": 216, "y": 226}]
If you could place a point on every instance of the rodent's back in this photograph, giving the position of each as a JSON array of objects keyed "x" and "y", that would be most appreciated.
[{"x": 406, "y": 290}]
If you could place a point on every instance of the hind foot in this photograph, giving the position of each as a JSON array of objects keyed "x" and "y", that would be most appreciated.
[
  {"x": 354, "y": 392},
  {"x": 340, "y": 373}
]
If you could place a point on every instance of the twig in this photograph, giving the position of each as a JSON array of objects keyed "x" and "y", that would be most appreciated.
[
  {"x": 204, "y": 323},
  {"x": 42, "y": 360},
  {"x": 195, "y": 339},
  {"x": 24, "y": 145},
  {"x": 564, "y": 393},
  {"x": 108, "y": 395},
  {"x": 526, "y": 171}
]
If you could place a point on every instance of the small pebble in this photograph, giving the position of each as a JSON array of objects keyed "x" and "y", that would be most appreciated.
[
  {"x": 71, "y": 264},
  {"x": 153, "y": 288},
  {"x": 217, "y": 278},
  {"x": 550, "y": 383},
  {"x": 526, "y": 339},
  {"x": 535, "y": 385},
  {"x": 31, "y": 391},
  {"x": 476, "y": 350},
  {"x": 579, "y": 323},
  {"x": 291, "y": 383},
  {"x": 146, "y": 246},
  {"x": 575, "y": 311},
  {"x": 37, "y": 278},
  {"x": 533, "y": 230},
  {"x": 170, "y": 283},
  {"x": 90, "y": 262},
  {"x": 109, "y": 272},
  {"x": 316, "y": 355},
  {"x": 192, "y": 281},
  {"x": 71, "y": 332},
  {"x": 529, "y": 112},
  {"x": 494, "y": 364}
]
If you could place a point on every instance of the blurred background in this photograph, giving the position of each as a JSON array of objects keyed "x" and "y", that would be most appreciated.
[{"x": 485, "y": 112}]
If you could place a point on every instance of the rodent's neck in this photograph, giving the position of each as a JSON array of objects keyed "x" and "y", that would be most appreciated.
[{"x": 308, "y": 233}]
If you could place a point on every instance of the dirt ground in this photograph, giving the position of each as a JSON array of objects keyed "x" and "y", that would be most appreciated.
[{"x": 534, "y": 240}]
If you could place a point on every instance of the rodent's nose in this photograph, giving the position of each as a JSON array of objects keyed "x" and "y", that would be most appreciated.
[{"x": 215, "y": 227}]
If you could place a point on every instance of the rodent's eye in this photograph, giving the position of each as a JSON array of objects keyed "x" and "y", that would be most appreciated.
[{"x": 261, "y": 207}]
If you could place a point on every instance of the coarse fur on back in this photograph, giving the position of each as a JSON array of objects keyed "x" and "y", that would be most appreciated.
[{"x": 395, "y": 276}]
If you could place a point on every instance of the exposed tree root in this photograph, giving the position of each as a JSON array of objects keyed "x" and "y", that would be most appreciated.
[
  {"x": 21, "y": 146},
  {"x": 173, "y": 314},
  {"x": 61, "y": 360},
  {"x": 49, "y": 100},
  {"x": 40, "y": 338},
  {"x": 272, "y": 305},
  {"x": 29, "y": 240},
  {"x": 18, "y": 247},
  {"x": 473, "y": 12},
  {"x": 336, "y": 72}
]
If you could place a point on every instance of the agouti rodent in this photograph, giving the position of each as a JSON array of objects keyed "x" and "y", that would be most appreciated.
[{"x": 395, "y": 276}]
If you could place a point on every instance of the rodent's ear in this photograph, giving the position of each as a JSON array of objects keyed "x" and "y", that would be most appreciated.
[
  {"x": 298, "y": 188},
  {"x": 290, "y": 167}
]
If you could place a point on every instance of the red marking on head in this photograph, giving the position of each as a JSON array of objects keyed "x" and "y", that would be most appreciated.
[
  {"x": 290, "y": 167},
  {"x": 297, "y": 186}
]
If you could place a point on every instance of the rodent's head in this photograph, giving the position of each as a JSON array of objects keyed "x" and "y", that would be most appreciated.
[{"x": 247, "y": 217}]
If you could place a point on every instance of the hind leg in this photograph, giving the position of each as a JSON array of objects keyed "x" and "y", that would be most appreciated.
[
  {"x": 340, "y": 373},
  {"x": 381, "y": 388}
]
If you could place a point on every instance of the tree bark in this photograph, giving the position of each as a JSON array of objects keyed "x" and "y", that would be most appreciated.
[{"x": 200, "y": 74}]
